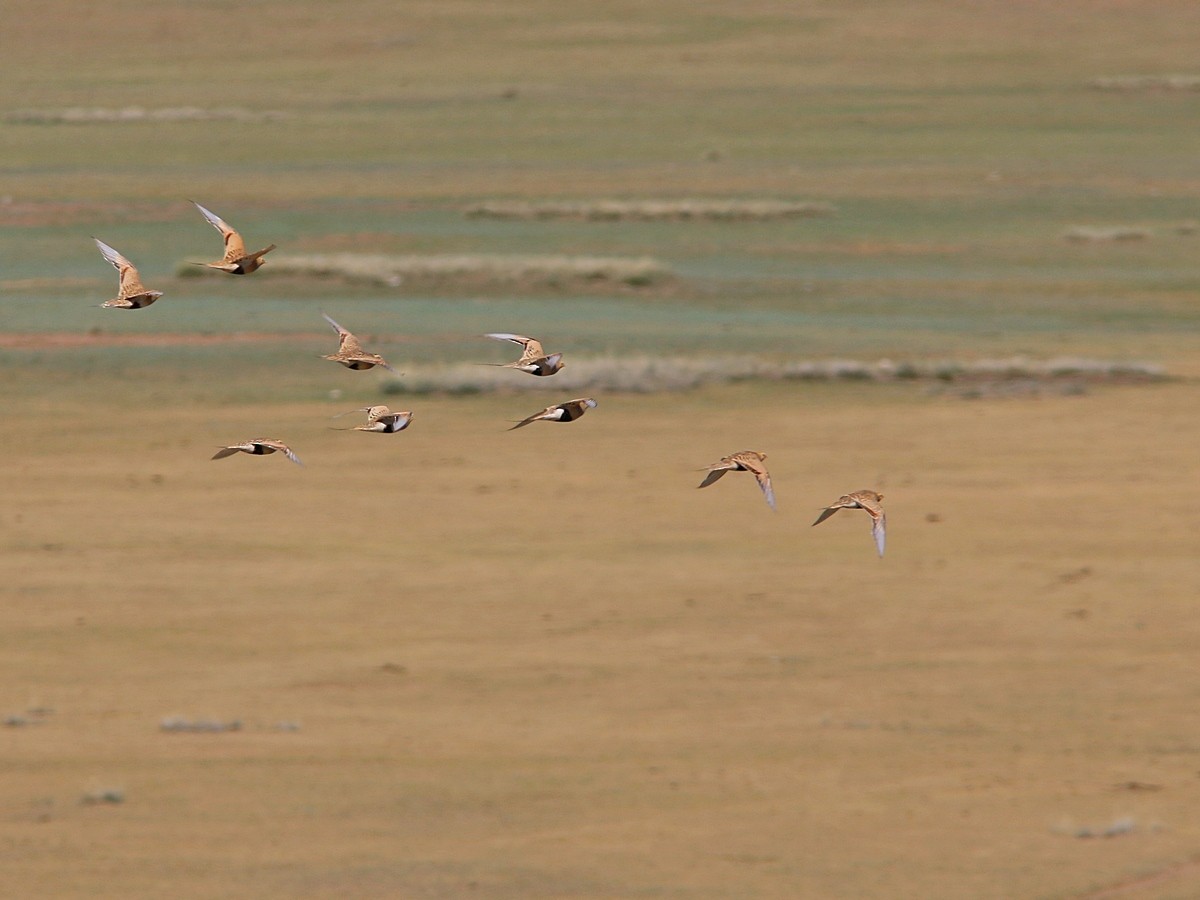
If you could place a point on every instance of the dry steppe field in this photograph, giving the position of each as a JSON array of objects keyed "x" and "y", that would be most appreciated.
[{"x": 463, "y": 662}]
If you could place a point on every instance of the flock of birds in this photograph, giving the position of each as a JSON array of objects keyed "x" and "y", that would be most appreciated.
[{"x": 534, "y": 360}]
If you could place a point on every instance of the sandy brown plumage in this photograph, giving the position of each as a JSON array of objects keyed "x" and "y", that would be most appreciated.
[
  {"x": 259, "y": 447},
  {"x": 132, "y": 294},
  {"x": 382, "y": 420},
  {"x": 560, "y": 412},
  {"x": 751, "y": 461},
  {"x": 350, "y": 352},
  {"x": 236, "y": 260},
  {"x": 866, "y": 500},
  {"x": 534, "y": 359}
]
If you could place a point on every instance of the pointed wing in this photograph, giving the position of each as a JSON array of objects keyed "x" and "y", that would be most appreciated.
[
  {"x": 868, "y": 501},
  {"x": 213, "y": 219},
  {"x": 127, "y": 273},
  {"x": 117, "y": 261},
  {"x": 545, "y": 413},
  {"x": 826, "y": 513},
  {"x": 764, "y": 482},
  {"x": 235, "y": 248},
  {"x": 347, "y": 343},
  {"x": 716, "y": 470},
  {"x": 751, "y": 463},
  {"x": 520, "y": 339},
  {"x": 282, "y": 448},
  {"x": 228, "y": 451},
  {"x": 336, "y": 327},
  {"x": 879, "y": 529},
  {"x": 532, "y": 347}
]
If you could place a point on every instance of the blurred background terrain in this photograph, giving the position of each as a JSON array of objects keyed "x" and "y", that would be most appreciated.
[{"x": 944, "y": 251}]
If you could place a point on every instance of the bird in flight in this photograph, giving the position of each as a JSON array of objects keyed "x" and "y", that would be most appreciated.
[
  {"x": 534, "y": 359},
  {"x": 132, "y": 294},
  {"x": 350, "y": 352},
  {"x": 745, "y": 461},
  {"x": 868, "y": 500},
  {"x": 381, "y": 419},
  {"x": 260, "y": 447},
  {"x": 562, "y": 412},
  {"x": 236, "y": 260}
]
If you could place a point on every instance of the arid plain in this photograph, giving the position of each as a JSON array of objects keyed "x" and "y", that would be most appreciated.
[{"x": 458, "y": 661}]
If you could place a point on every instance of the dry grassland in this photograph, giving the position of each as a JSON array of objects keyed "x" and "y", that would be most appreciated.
[
  {"x": 542, "y": 664},
  {"x": 462, "y": 662}
]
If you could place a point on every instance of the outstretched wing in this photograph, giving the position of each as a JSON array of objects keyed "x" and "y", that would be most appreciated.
[
  {"x": 284, "y": 449},
  {"x": 867, "y": 500},
  {"x": 116, "y": 259},
  {"x": 228, "y": 451},
  {"x": 127, "y": 273},
  {"x": 716, "y": 470},
  {"x": 347, "y": 343},
  {"x": 879, "y": 529},
  {"x": 235, "y": 248},
  {"x": 826, "y": 513},
  {"x": 545, "y": 413},
  {"x": 764, "y": 482},
  {"x": 754, "y": 465},
  {"x": 520, "y": 339},
  {"x": 259, "y": 254},
  {"x": 532, "y": 347}
]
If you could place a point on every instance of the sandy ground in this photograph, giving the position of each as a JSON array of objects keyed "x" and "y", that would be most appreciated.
[{"x": 542, "y": 664}]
